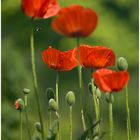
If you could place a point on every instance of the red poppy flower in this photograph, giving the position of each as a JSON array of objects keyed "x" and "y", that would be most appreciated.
[
  {"x": 40, "y": 8},
  {"x": 109, "y": 81},
  {"x": 62, "y": 61},
  {"x": 96, "y": 57},
  {"x": 75, "y": 21}
]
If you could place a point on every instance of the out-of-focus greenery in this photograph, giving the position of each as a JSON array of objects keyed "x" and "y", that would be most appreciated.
[{"x": 117, "y": 29}]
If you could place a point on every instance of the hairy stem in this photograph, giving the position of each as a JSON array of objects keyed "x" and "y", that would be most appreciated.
[
  {"x": 20, "y": 125},
  {"x": 80, "y": 86},
  {"x": 35, "y": 79},
  {"x": 129, "y": 137},
  {"x": 111, "y": 120},
  {"x": 70, "y": 122}
]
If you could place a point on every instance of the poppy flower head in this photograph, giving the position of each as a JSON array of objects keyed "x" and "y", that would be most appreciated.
[
  {"x": 75, "y": 21},
  {"x": 40, "y": 8},
  {"x": 61, "y": 61},
  {"x": 96, "y": 57},
  {"x": 109, "y": 81}
]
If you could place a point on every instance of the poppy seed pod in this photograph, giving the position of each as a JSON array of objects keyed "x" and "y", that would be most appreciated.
[
  {"x": 98, "y": 93},
  {"x": 70, "y": 98},
  {"x": 122, "y": 64},
  {"x": 19, "y": 104},
  {"x": 90, "y": 88},
  {"x": 109, "y": 98},
  {"x": 26, "y": 91},
  {"x": 38, "y": 126},
  {"x": 50, "y": 93},
  {"x": 53, "y": 105}
]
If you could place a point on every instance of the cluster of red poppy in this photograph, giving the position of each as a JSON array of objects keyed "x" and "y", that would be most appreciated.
[{"x": 77, "y": 21}]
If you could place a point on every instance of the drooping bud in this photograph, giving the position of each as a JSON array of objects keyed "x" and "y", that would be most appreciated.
[
  {"x": 26, "y": 91},
  {"x": 70, "y": 98},
  {"x": 19, "y": 104},
  {"x": 122, "y": 64},
  {"x": 109, "y": 98},
  {"x": 90, "y": 86},
  {"x": 38, "y": 126},
  {"x": 53, "y": 105},
  {"x": 98, "y": 93},
  {"x": 50, "y": 93}
]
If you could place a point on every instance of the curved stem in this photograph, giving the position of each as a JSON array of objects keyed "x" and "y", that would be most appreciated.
[
  {"x": 20, "y": 125},
  {"x": 80, "y": 86},
  {"x": 35, "y": 79},
  {"x": 129, "y": 136},
  {"x": 111, "y": 120},
  {"x": 57, "y": 88},
  {"x": 70, "y": 122}
]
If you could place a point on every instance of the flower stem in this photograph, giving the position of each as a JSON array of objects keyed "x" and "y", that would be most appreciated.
[
  {"x": 20, "y": 125},
  {"x": 50, "y": 118},
  {"x": 111, "y": 120},
  {"x": 57, "y": 88},
  {"x": 35, "y": 79},
  {"x": 96, "y": 105},
  {"x": 129, "y": 136},
  {"x": 70, "y": 122},
  {"x": 26, "y": 115},
  {"x": 80, "y": 86}
]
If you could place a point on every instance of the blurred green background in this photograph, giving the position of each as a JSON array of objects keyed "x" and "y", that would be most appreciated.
[{"x": 117, "y": 29}]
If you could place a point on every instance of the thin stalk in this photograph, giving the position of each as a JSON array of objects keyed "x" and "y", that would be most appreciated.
[
  {"x": 57, "y": 88},
  {"x": 35, "y": 79},
  {"x": 80, "y": 86},
  {"x": 95, "y": 101},
  {"x": 129, "y": 136},
  {"x": 70, "y": 122},
  {"x": 111, "y": 120},
  {"x": 59, "y": 134},
  {"x": 27, "y": 123},
  {"x": 20, "y": 125},
  {"x": 50, "y": 118}
]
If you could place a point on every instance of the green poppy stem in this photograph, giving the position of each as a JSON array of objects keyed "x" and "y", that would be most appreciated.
[
  {"x": 111, "y": 120},
  {"x": 50, "y": 119},
  {"x": 95, "y": 103},
  {"x": 70, "y": 122},
  {"x": 26, "y": 115},
  {"x": 129, "y": 136},
  {"x": 57, "y": 88},
  {"x": 20, "y": 125},
  {"x": 35, "y": 79},
  {"x": 80, "y": 86}
]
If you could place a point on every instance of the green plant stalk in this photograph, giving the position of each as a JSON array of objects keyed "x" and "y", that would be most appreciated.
[
  {"x": 50, "y": 118},
  {"x": 95, "y": 101},
  {"x": 129, "y": 136},
  {"x": 20, "y": 125},
  {"x": 26, "y": 116},
  {"x": 71, "y": 123},
  {"x": 35, "y": 79},
  {"x": 57, "y": 88},
  {"x": 111, "y": 121},
  {"x": 59, "y": 134},
  {"x": 80, "y": 86}
]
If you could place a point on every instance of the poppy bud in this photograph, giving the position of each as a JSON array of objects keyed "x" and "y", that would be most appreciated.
[
  {"x": 70, "y": 98},
  {"x": 96, "y": 138},
  {"x": 50, "y": 93},
  {"x": 26, "y": 91},
  {"x": 38, "y": 126},
  {"x": 90, "y": 86},
  {"x": 109, "y": 98},
  {"x": 122, "y": 64},
  {"x": 53, "y": 105},
  {"x": 98, "y": 93},
  {"x": 19, "y": 104}
]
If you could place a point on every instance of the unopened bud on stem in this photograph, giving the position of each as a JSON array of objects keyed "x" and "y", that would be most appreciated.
[{"x": 70, "y": 98}]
